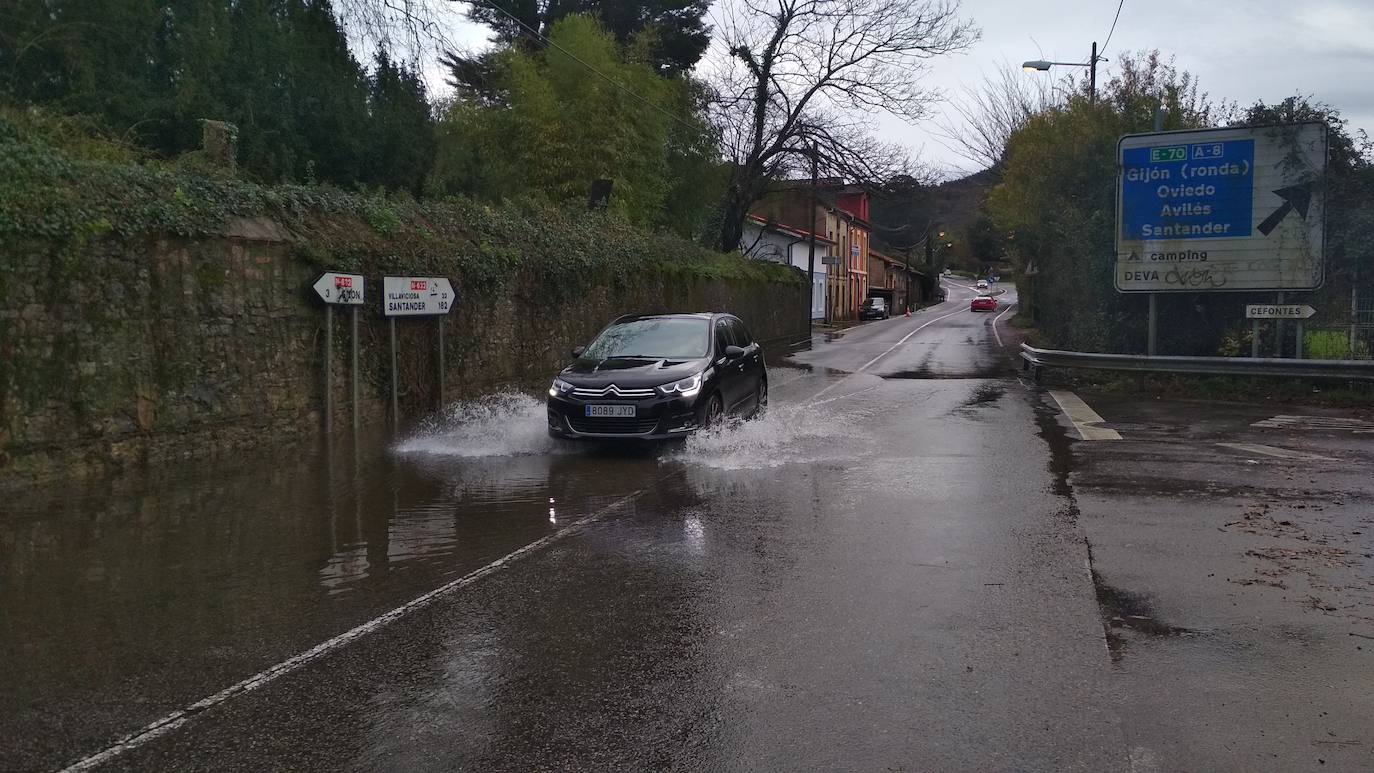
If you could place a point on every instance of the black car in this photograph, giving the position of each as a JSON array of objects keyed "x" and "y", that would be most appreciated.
[
  {"x": 874, "y": 308},
  {"x": 659, "y": 376}
]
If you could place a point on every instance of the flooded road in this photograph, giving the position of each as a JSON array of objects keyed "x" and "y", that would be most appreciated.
[{"x": 889, "y": 570}]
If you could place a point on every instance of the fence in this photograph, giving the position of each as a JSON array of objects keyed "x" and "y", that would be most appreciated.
[{"x": 1346, "y": 336}]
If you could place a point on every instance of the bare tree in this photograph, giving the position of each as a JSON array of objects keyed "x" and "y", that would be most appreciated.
[
  {"x": 803, "y": 73},
  {"x": 409, "y": 30},
  {"x": 979, "y": 122}
]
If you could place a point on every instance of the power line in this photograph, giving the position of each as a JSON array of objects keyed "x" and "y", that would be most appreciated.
[
  {"x": 598, "y": 73},
  {"x": 1113, "y": 29}
]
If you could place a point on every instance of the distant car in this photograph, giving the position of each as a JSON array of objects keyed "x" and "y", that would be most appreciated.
[
  {"x": 659, "y": 376},
  {"x": 874, "y": 308},
  {"x": 982, "y": 284},
  {"x": 983, "y": 303}
]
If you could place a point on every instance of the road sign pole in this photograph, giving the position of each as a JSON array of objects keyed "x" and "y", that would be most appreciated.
[
  {"x": 1278, "y": 331},
  {"x": 328, "y": 369},
  {"x": 1354, "y": 316},
  {"x": 334, "y": 289},
  {"x": 1254, "y": 337},
  {"x": 1153, "y": 340},
  {"x": 353, "y": 376},
  {"x": 1297, "y": 346},
  {"x": 440, "y": 321},
  {"x": 395, "y": 409},
  {"x": 415, "y": 296}
]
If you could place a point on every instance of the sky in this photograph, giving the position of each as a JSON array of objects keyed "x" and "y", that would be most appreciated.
[{"x": 1240, "y": 50}]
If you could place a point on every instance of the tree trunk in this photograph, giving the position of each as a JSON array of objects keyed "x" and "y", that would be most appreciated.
[{"x": 736, "y": 209}]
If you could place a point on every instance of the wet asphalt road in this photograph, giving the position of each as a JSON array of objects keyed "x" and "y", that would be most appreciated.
[{"x": 909, "y": 564}]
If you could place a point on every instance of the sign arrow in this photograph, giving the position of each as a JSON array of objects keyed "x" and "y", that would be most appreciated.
[
  {"x": 1297, "y": 197},
  {"x": 1278, "y": 311},
  {"x": 346, "y": 289}
]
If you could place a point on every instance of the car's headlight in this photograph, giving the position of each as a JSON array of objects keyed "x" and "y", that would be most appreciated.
[
  {"x": 560, "y": 387},
  {"x": 687, "y": 387}
]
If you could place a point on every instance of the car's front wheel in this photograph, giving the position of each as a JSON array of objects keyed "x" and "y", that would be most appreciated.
[
  {"x": 712, "y": 414},
  {"x": 761, "y": 399}
]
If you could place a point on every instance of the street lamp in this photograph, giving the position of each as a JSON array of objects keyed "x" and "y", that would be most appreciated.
[{"x": 1040, "y": 65}]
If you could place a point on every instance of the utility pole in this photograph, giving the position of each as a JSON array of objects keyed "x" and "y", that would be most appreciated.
[
  {"x": 811, "y": 252},
  {"x": 1092, "y": 76},
  {"x": 906, "y": 255}
]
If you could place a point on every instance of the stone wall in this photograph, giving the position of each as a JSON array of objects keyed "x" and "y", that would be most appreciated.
[{"x": 143, "y": 351}]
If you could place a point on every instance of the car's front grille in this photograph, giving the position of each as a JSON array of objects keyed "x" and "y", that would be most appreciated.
[
  {"x": 613, "y": 391},
  {"x": 602, "y": 425}
]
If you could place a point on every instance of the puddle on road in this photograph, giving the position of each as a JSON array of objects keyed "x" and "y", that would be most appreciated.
[
  {"x": 1125, "y": 614},
  {"x": 108, "y": 586},
  {"x": 925, "y": 372}
]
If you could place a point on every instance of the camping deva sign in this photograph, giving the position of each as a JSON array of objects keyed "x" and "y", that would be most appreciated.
[{"x": 1221, "y": 209}]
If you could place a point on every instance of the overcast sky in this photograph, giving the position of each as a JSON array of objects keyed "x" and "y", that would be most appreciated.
[{"x": 1240, "y": 50}]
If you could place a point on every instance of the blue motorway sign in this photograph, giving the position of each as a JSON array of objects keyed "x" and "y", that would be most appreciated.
[
  {"x": 1221, "y": 210},
  {"x": 1200, "y": 190}
]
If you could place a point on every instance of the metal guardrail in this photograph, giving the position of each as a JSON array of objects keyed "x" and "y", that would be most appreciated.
[{"x": 1036, "y": 359}]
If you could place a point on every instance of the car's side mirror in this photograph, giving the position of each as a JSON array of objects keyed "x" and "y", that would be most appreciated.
[
  {"x": 578, "y": 350},
  {"x": 734, "y": 352}
]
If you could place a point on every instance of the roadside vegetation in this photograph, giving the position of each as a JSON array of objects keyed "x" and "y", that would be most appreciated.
[
  {"x": 1052, "y": 212},
  {"x": 63, "y": 184},
  {"x": 604, "y": 105}
]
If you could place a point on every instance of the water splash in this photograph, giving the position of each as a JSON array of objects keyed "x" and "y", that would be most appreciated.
[
  {"x": 507, "y": 424},
  {"x": 789, "y": 434}
]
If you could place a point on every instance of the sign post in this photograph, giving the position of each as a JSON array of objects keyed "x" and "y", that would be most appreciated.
[
  {"x": 414, "y": 296},
  {"x": 353, "y": 344},
  {"x": 329, "y": 369},
  {"x": 1278, "y": 312},
  {"x": 338, "y": 290},
  {"x": 1221, "y": 210}
]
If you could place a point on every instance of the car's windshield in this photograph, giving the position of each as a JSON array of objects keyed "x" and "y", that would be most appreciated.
[{"x": 657, "y": 337}]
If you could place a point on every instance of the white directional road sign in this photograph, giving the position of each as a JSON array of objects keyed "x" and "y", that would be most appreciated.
[
  {"x": 1221, "y": 209},
  {"x": 405, "y": 296},
  {"x": 344, "y": 289},
  {"x": 1279, "y": 311}
]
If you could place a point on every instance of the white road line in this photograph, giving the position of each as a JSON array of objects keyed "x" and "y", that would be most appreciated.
[
  {"x": 1315, "y": 422},
  {"x": 888, "y": 351},
  {"x": 1084, "y": 418},
  {"x": 906, "y": 338},
  {"x": 1281, "y": 453},
  {"x": 999, "y": 317},
  {"x": 172, "y": 721}
]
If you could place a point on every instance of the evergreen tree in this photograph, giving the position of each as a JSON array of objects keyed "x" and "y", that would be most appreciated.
[
  {"x": 280, "y": 70},
  {"x": 402, "y": 146},
  {"x": 676, "y": 28}
]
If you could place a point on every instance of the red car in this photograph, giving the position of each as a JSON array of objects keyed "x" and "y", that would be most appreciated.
[{"x": 983, "y": 303}]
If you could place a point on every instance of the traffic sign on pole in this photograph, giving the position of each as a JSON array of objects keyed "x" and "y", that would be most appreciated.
[
  {"x": 413, "y": 296},
  {"x": 346, "y": 289},
  {"x": 1278, "y": 311},
  {"x": 1220, "y": 210}
]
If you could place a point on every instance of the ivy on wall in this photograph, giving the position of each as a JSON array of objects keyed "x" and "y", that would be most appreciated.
[{"x": 66, "y": 199}]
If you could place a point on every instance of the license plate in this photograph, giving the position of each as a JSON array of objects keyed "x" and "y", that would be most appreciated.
[{"x": 611, "y": 411}]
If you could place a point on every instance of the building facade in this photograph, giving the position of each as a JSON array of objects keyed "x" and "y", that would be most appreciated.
[
  {"x": 840, "y": 215},
  {"x": 784, "y": 244}
]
